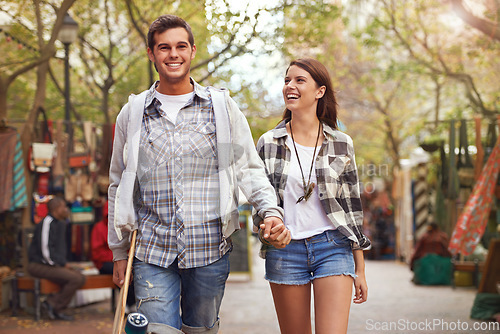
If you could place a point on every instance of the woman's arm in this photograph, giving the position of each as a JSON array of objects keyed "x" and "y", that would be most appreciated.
[{"x": 360, "y": 286}]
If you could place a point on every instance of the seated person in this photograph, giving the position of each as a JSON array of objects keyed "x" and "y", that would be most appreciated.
[
  {"x": 431, "y": 261},
  {"x": 47, "y": 259},
  {"x": 102, "y": 255},
  {"x": 434, "y": 241}
]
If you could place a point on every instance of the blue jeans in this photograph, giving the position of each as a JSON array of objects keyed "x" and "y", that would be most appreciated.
[{"x": 181, "y": 298}]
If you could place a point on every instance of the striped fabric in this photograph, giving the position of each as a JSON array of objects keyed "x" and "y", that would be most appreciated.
[
  {"x": 421, "y": 202},
  {"x": 19, "y": 197},
  {"x": 7, "y": 149}
]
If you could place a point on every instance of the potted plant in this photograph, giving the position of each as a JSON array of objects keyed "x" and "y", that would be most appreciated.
[{"x": 432, "y": 143}]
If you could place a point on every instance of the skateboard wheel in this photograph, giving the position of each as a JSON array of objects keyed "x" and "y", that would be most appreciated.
[{"x": 137, "y": 323}]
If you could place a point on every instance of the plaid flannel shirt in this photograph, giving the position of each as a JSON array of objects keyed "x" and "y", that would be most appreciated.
[
  {"x": 171, "y": 212},
  {"x": 178, "y": 200},
  {"x": 337, "y": 177}
]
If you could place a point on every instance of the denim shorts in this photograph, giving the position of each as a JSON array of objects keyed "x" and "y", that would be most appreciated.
[{"x": 301, "y": 261}]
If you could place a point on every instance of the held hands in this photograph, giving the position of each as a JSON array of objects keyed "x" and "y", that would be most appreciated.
[{"x": 274, "y": 231}]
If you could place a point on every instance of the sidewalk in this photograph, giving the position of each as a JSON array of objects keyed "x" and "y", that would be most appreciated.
[
  {"x": 247, "y": 308},
  {"x": 392, "y": 300}
]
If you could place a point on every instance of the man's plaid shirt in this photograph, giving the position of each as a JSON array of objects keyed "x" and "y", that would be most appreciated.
[
  {"x": 337, "y": 177},
  {"x": 177, "y": 172}
]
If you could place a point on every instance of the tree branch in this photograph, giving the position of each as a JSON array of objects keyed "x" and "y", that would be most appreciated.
[{"x": 487, "y": 27}]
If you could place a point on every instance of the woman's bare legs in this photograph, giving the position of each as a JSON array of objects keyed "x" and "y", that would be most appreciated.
[
  {"x": 293, "y": 307},
  {"x": 332, "y": 301}
]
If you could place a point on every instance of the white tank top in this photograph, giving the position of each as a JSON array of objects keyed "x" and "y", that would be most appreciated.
[
  {"x": 307, "y": 218},
  {"x": 171, "y": 104}
]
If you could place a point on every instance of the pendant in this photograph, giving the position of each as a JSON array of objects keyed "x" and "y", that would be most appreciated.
[{"x": 307, "y": 192}]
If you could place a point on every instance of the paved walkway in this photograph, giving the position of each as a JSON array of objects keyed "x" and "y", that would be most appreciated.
[
  {"x": 394, "y": 302},
  {"x": 247, "y": 308}
]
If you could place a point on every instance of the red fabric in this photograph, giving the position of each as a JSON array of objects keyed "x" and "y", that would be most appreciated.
[
  {"x": 41, "y": 210},
  {"x": 105, "y": 209},
  {"x": 43, "y": 184},
  {"x": 99, "y": 244},
  {"x": 474, "y": 218}
]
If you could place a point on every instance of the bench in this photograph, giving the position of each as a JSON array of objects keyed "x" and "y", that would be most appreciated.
[
  {"x": 475, "y": 267},
  {"x": 41, "y": 286}
]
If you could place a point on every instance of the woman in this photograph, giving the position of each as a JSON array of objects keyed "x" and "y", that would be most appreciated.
[{"x": 312, "y": 166}]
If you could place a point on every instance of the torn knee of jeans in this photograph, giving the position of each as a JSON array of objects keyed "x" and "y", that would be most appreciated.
[{"x": 148, "y": 299}]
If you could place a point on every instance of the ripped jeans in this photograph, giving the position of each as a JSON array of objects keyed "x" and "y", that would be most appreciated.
[{"x": 187, "y": 299}]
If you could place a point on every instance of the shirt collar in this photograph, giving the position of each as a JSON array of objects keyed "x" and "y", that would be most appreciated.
[
  {"x": 280, "y": 130},
  {"x": 200, "y": 91},
  {"x": 327, "y": 129}
]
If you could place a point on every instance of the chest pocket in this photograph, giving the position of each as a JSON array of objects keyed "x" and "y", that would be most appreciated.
[
  {"x": 202, "y": 140},
  {"x": 337, "y": 164},
  {"x": 334, "y": 167},
  {"x": 159, "y": 148}
]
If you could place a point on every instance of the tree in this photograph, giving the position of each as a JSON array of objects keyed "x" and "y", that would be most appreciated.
[
  {"x": 45, "y": 49},
  {"x": 486, "y": 26},
  {"x": 382, "y": 44}
]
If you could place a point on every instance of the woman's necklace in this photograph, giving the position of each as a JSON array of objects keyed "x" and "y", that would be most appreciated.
[{"x": 308, "y": 189}]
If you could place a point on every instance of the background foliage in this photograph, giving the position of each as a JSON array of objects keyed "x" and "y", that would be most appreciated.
[{"x": 399, "y": 68}]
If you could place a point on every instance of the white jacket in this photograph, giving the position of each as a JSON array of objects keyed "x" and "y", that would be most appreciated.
[{"x": 239, "y": 166}]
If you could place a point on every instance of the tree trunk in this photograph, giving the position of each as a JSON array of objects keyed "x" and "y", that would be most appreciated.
[
  {"x": 27, "y": 133},
  {"x": 392, "y": 141},
  {"x": 3, "y": 100},
  {"x": 105, "y": 98}
]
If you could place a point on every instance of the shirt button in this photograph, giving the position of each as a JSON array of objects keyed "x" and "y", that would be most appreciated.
[
  {"x": 178, "y": 159},
  {"x": 320, "y": 194}
]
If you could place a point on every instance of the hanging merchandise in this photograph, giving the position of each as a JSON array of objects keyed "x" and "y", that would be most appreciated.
[
  {"x": 491, "y": 139},
  {"x": 42, "y": 156},
  {"x": 474, "y": 218},
  {"x": 105, "y": 158},
  {"x": 452, "y": 192},
  {"x": 42, "y": 152},
  {"x": 480, "y": 150},
  {"x": 78, "y": 160},
  {"x": 42, "y": 183},
  {"x": 443, "y": 180},
  {"x": 7, "y": 152},
  {"x": 464, "y": 164},
  {"x": 89, "y": 132},
  {"x": 60, "y": 157},
  {"x": 82, "y": 157},
  {"x": 421, "y": 201},
  {"x": 19, "y": 197},
  {"x": 78, "y": 187},
  {"x": 39, "y": 207}
]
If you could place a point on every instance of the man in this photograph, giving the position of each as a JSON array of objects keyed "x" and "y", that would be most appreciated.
[
  {"x": 184, "y": 171},
  {"x": 47, "y": 259}
]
